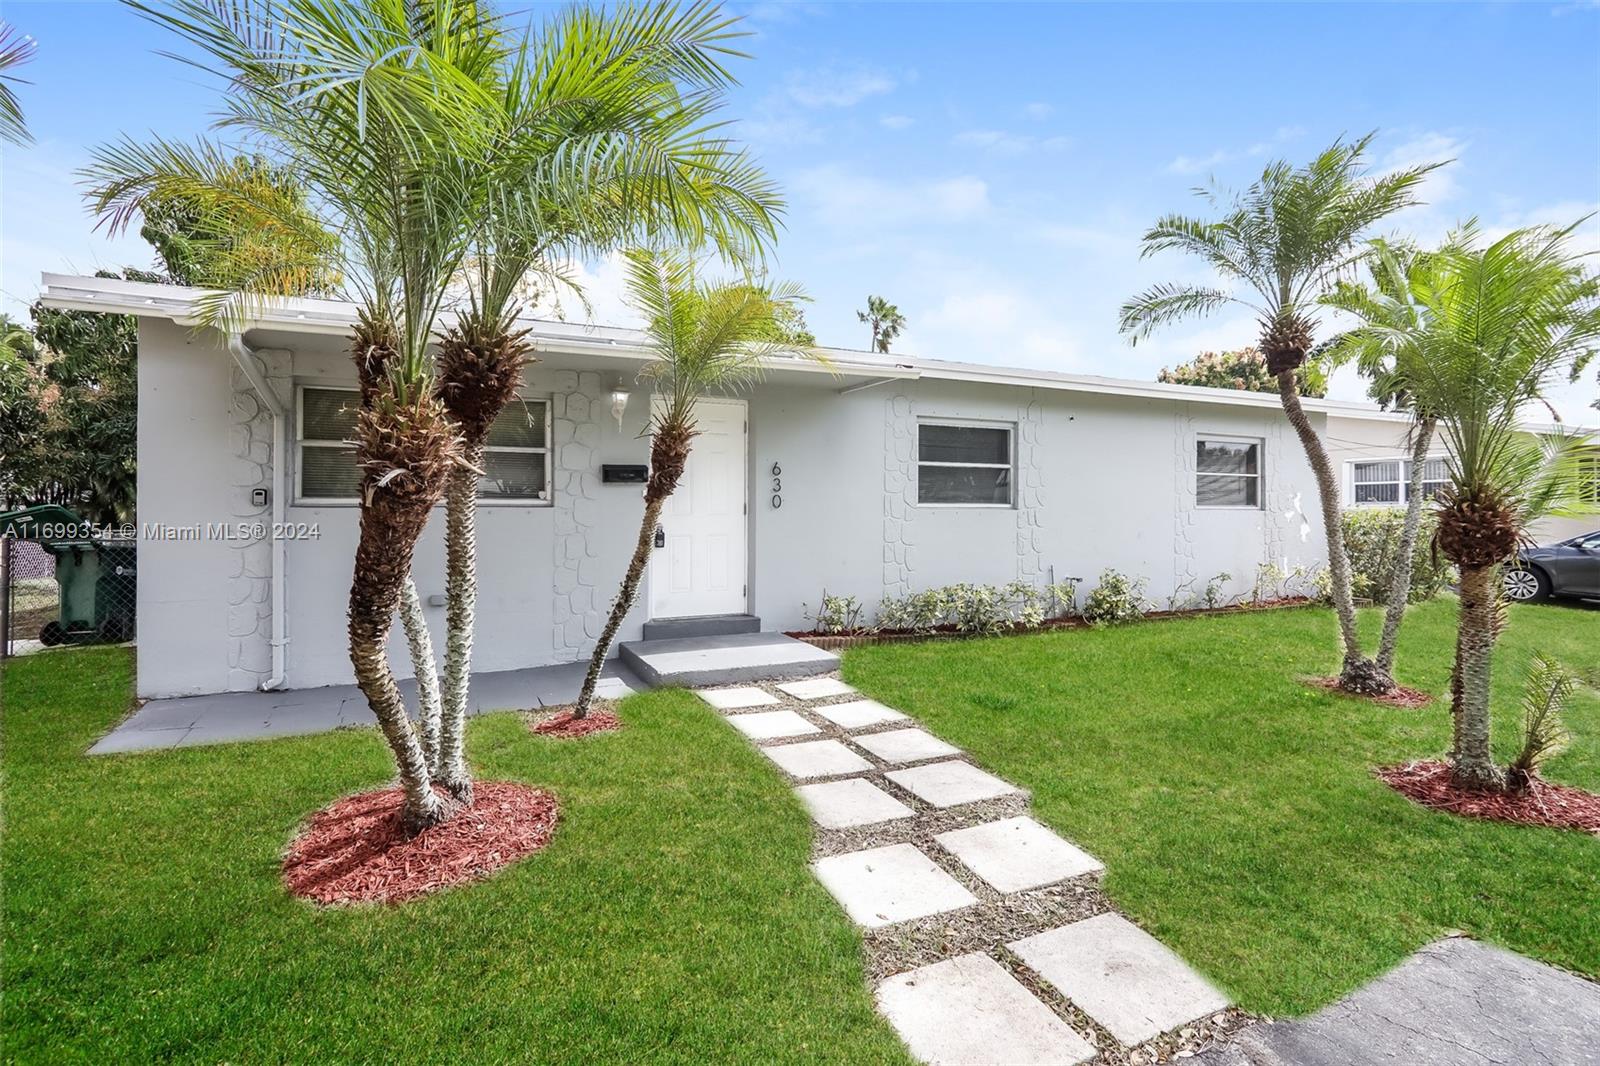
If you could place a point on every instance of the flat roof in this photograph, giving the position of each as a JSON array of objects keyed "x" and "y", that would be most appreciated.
[{"x": 176, "y": 303}]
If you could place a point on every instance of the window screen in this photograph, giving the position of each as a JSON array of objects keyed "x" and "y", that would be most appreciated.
[
  {"x": 1228, "y": 473},
  {"x": 959, "y": 464}
]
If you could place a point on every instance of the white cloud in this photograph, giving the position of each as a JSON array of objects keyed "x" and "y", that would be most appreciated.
[
  {"x": 1186, "y": 164},
  {"x": 1038, "y": 109},
  {"x": 1430, "y": 147},
  {"x": 1189, "y": 164},
  {"x": 841, "y": 197},
  {"x": 1005, "y": 143},
  {"x": 895, "y": 122},
  {"x": 832, "y": 87}
]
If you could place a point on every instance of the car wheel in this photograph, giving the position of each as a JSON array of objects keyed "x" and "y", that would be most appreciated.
[{"x": 1525, "y": 584}]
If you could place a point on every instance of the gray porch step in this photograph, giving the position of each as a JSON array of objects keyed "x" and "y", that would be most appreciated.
[
  {"x": 721, "y": 660},
  {"x": 704, "y": 625}
]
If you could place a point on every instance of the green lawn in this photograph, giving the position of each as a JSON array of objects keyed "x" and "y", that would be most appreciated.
[
  {"x": 1233, "y": 807},
  {"x": 672, "y": 919}
]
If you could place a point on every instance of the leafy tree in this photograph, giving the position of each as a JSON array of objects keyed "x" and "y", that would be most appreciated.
[
  {"x": 705, "y": 337},
  {"x": 1284, "y": 241},
  {"x": 15, "y": 50},
  {"x": 1484, "y": 334},
  {"x": 1244, "y": 369},
  {"x": 886, "y": 321},
  {"x": 225, "y": 246}
]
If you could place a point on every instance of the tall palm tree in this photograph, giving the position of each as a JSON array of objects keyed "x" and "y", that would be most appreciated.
[
  {"x": 705, "y": 337},
  {"x": 1388, "y": 299},
  {"x": 885, "y": 320},
  {"x": 1283, "y": 242},
  {"x": 632, "y": 95},
  {"x": 374, "y": 106},
  {"x": 1491, "y": 329}
]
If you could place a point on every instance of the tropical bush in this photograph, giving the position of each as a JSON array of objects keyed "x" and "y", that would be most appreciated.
[
  {"x": 1372, "y": 544},
  {"x": 1117, "y": 599},
  {"x": 836, "y": 614}
]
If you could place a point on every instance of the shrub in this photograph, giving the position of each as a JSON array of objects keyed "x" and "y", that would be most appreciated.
[
  {"x": 1372, "y": 544},
  {"x": 969, "y": 608},
  {"x": 1116, "y": 599},
  {"x": 915, "y": 612},
  {"x": 1550, "y": 685},
  {"x": 838, "y": 614}
]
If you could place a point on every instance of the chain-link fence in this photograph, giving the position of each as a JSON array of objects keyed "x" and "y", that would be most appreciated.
[{"x": 55, "y": 593}]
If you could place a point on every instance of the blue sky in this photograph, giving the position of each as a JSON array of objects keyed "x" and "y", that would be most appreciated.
[{"x": 989, "y": 168}]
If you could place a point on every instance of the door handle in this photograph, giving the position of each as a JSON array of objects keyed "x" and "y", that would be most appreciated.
[{"x": 661, "y": 537}]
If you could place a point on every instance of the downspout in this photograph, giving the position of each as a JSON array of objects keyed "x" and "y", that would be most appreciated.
[{"x": 243, "y": 356}]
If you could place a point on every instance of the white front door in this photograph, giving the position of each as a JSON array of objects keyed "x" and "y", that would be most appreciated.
[{"x": 699, "y": 564}]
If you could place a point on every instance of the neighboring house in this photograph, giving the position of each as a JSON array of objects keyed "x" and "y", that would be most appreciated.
[
  {"x": 881, "y": 475},
  {"x": 1371, "y": 454}
]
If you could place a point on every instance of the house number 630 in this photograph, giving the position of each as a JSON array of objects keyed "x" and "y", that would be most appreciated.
[{"x": 777, "y": 486}]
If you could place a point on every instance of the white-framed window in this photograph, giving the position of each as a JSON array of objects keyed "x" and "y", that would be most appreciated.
[
  {"x": 1227, "y": 472},
  {"x": 1389, "y": 480},
  {"x": 516, "y": 461},
  {"x": 965, "y": 464}
]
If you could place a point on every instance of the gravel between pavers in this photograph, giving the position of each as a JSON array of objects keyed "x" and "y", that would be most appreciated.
[{"x": 997, "y": 918}]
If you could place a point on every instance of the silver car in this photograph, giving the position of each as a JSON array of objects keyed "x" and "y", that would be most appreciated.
[{"x": 1570, "y": 568}]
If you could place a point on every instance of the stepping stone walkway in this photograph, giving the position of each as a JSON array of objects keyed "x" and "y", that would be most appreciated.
[{"x": 987, "y": 936}]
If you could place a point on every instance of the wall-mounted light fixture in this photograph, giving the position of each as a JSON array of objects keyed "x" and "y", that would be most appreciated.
[{"x": 619, "y": 400}]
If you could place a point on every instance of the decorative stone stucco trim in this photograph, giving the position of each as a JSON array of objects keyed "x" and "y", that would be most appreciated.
[
  {"x": 899, "y": 495},
  {"x": 575, "y": 410},
  {"x": 249, "y": 587},
  {"x": 1030, "y": 490}
]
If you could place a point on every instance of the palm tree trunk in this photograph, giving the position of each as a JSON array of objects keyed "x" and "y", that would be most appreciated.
[
  {"x": 461, "y": 596},
  {"x": 420, "y": 641},
  {"x": 383, "y": 557},
  {"x": 623, "y": 603},
  {"x": 1473, "y": 764},
  {"x": 1358, "y": 674},
  {"x": 1400, "y": 588}
]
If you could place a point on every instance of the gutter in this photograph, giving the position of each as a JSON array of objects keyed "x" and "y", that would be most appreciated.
[{"x": 243, "y": 357}]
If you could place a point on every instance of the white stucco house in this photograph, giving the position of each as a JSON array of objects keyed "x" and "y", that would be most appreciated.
[{"x": 881, "y": 475}]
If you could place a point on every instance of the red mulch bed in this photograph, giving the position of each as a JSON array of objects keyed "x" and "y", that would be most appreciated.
[
  {"x": 1542, "y": 803},
  {"x": 354, "y": 851},
  {"x": 562, "y": 724},
  {"x": 1407, "y": 699}
]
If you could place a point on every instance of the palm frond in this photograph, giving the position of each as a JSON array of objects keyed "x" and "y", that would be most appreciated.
[
  {"x": 15, "y": 50},
  {"x": 1161, "y": 304}
]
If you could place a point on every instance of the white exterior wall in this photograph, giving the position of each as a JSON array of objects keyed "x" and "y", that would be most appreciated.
[
  {"x": 1102, "y": 481},
  {"x": 1353, "y": 440}
]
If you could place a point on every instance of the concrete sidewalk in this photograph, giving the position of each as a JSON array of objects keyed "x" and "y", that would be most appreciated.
[{"x": 231, "y": 716}]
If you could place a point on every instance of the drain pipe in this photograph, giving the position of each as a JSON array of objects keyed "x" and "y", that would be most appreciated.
[{"x": 243, "y": 355}]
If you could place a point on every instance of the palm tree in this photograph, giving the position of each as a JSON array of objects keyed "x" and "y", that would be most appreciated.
[
  {"x": 605, "y": 135},
  {"x": 15, "y": 50},
  {"x": 705, "y": 337},
  {"x": 1388, "y": 300},
  {"x": 1284, "y": 241},
  {"x": 374, "y": 107},
  {"x": 1490, "y": 331},
  {"x": 886, "y": 322}
]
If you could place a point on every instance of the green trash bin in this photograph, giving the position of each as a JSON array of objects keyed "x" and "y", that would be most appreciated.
[{"x": 97, "y": 579}]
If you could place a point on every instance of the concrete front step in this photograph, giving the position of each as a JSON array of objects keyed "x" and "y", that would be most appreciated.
[
  {"x": 705, "y": 625},
  {"x": 727, "y": 659}
]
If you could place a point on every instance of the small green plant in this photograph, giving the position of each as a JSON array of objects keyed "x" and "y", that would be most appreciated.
[
  {"x": 1214, "y": 590},
  {"x": 1269, "y": 576},
  {"x": 1549, "y": 686},
  {"x": 1116, "y": 599},
  {"x": 838, "y": 614}
]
